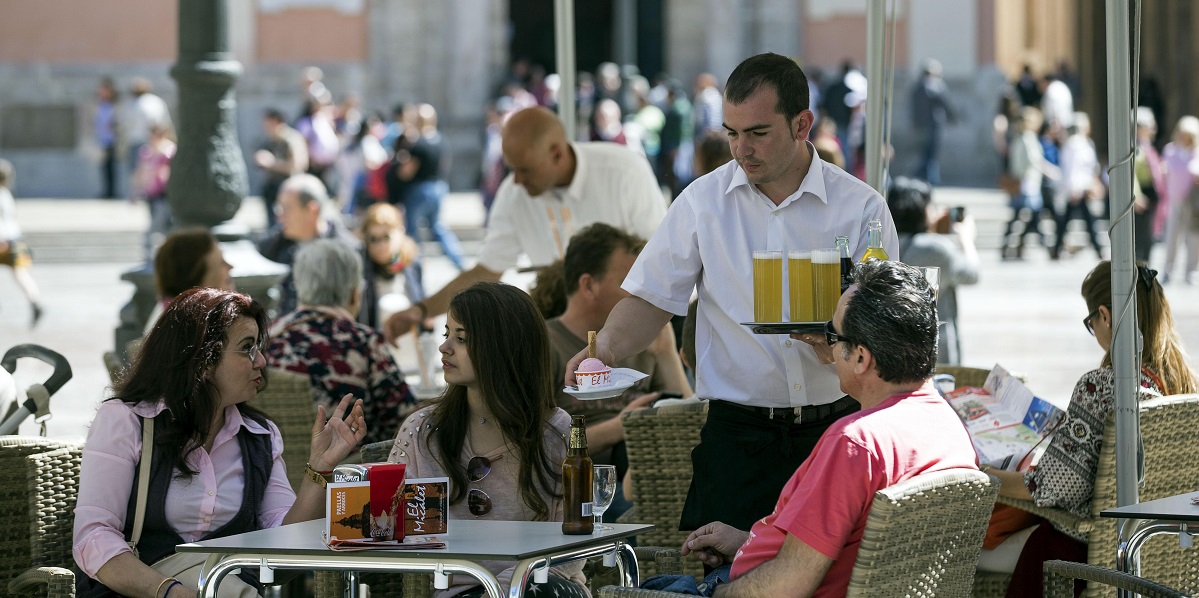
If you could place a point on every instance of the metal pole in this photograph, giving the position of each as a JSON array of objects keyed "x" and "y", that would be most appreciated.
[
  {"x": 564, "y": 44},
  {"x": 1126, "y": 337},
  {"x": 876, "y": 20}
]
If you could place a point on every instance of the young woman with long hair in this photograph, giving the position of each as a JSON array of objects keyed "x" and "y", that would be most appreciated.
[
  {"x": 1065, "y": 475},
  {"x": 495, "y": 432}
]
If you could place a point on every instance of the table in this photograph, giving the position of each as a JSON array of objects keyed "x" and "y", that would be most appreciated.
[
  {"x": 534, "y": 545},
  {"x": 1170, "y": 515}
]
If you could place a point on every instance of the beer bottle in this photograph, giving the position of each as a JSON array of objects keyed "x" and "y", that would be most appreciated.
[
  {"x": 846, "y": 263},
  {"x": 874, "y": 242},
  {"x": 577, "y": 482}
]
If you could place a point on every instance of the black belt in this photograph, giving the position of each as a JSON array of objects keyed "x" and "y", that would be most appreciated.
[{"x": 791, "y": 415}]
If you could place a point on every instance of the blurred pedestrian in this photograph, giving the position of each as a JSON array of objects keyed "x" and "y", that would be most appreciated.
[
  {"x": 150, "y": 177},
  {"x": 1151, "y": 179},
  {"x": 1182, "y": 168},
  {"x": 1080, "y": 184},
  {"x": 105, "y": 124},
  {"x": 421, "y": 167},
  {"x": 141, "y": 113},
  {"x": 283, "y": 154},
  {"x": 708, "y": 105},
  {"x": 931, "y": 113},
  {"x": 13, "y": 251},
  {"x": 1026, "y": 163},
  {"x": 1057, "y": 102},
  {"x": 315, "y": 125},
  {"x": 834, "y": 106},
  {"x": 392, "y": 264}
]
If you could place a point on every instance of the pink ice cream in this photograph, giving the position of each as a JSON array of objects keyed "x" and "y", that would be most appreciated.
[
  {"x": 592, "y": 373},
  {"x": 592, "y": 364}
]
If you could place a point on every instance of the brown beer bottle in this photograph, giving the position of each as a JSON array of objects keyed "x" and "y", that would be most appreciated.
[{"x": 577, "y": 482}]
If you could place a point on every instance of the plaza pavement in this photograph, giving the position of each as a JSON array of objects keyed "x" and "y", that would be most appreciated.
[{"x": 1024, "y": 315}]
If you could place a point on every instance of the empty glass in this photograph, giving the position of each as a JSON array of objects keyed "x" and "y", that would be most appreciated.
[{"x": 605, "y": 491}]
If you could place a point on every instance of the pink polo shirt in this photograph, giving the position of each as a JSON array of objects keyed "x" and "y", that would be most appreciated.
[
  {"x": 826, "y": 502},
  {"x": 194, "y": 506}
]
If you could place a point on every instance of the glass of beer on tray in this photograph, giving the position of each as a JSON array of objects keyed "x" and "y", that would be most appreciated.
[
  {"x": 826, "y": 282},
  {"x": 799, "y": 278},
  {"x": 768, "y": 286}
]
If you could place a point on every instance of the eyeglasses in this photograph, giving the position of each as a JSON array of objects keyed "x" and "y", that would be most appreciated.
[
  {"x": 1086, "y": 322},
  {"x": 477, "y": 501},
  {"x": 253, "y": 352},
  {"x": 831, "y": 336}
]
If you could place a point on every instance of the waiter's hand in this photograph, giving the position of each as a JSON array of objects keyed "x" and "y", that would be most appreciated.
[
  {"x": 824, "y": 351},
  {"x": 602, "y": 352}
]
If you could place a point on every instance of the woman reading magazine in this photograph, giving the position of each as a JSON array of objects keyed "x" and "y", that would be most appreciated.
[{"x": 1065, "y": 476}]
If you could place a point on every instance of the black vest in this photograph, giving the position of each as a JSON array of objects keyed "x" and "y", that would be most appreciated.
[{"x": 158, "y": 540}]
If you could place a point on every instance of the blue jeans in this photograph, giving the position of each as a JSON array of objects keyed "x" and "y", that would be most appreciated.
[
  {"x": 422, "y": 205},
  {"x": 685, "y": 584}
]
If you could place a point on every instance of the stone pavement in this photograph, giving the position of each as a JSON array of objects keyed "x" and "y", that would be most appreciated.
[{"x": 1025, "y": 315}]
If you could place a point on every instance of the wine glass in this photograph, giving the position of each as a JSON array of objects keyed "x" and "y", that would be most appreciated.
[{"x": 605, "y": 491}]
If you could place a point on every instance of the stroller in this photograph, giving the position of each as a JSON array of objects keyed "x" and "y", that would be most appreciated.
[{"x": 37, "y": 396}]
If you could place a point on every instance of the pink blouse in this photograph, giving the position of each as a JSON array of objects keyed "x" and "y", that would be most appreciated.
[{"x": 194, "y": 506}]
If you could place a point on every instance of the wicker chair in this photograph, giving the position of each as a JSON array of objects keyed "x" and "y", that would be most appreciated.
[
  {"x": 1167, "y": 429},
  {"x": 16, "y": 554},
  {"x": 659, "y": 442},
  {"x": 52, "y": 484},
  {"x": 288, "y": 400},
  {"x": 922, "y": 538},
  {"x": 965, "y": 376},
  {"x": 1060, "y": 576}
]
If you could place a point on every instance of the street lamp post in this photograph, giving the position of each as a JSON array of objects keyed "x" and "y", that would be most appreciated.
[{"x": 208, "y": 173}]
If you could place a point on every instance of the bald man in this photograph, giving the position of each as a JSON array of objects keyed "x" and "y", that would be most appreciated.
[{"x": 556, "y": 189}]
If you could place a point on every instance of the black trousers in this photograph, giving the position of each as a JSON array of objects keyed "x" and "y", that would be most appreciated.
[{"x": 742, "y": 462}]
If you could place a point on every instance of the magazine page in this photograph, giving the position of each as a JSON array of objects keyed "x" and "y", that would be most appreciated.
[
  {"x": 1011, "y": 397},
  {"x": 1004, "y": 419}
]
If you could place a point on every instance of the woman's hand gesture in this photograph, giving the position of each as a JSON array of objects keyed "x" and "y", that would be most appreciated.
[{"x": 336, "y": 437}]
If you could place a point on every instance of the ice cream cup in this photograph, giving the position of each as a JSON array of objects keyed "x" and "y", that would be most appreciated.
[{"x": 590, "y": 380}]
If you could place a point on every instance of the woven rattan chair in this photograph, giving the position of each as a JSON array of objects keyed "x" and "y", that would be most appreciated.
[
  {"x": 288, "y": 400},
  {"x": 52, "y": 486},
  {"x": 15, "y": 514},
  {"x": 659, "y": 442},
  {"x": 922, "y": 538},
  {"x": 1060, "y": 576},
  {"x": 1167, "y": 429}
]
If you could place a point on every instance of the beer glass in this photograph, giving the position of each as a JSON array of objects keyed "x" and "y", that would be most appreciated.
[
  {"x": 826, "y": 282},
  {"x": 768, "y": 286},
  {"x": 799, "y": 278}
]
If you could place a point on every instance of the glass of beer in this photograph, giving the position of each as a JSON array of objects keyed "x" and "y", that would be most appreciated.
[
  {"x": 768, "y": 286},
  {"x": 826, "y": 282},
  {"x": 799, "y": 277}
]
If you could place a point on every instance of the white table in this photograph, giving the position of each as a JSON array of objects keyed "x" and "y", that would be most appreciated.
[{"x": 532, "y": 544}]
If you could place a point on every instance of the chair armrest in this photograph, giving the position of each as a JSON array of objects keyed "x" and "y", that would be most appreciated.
[
  {"x": 1060, "y": 576},
  {"x": 1060, "y": 517},
  {"x": 58, "y": 583}
]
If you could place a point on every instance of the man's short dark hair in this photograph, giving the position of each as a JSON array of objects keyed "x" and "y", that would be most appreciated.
[
  {"x": 779, "y": 72},
  {"x": 894, "y": 314},
  {"x": 273, "y": 114},
  {"x": 907, "y": 199},
  {"x": 591, "y": 248}
]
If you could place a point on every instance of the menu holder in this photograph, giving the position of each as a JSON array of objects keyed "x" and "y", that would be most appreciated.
[{"x": 785, "y": 327}]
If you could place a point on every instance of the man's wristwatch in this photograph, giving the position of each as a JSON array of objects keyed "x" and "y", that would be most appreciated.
[{"x": 322, "y": 478}]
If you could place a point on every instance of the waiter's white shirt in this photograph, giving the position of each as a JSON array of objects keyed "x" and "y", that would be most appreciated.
[
  {"x": 611, "y": 184},
  {"x": 707, "y": 241}
]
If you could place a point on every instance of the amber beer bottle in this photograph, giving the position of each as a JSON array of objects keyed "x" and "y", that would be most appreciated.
[{"x": 577, "y": 482}]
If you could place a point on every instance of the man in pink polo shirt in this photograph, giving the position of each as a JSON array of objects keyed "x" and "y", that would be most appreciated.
[{"x": 883, "y": 341}]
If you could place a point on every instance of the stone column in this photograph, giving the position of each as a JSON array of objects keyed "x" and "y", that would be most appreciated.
[{"x": 208, "y": 174}]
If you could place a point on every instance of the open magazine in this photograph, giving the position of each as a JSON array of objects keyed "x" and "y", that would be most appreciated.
[{"x": 1004, "y": 419}]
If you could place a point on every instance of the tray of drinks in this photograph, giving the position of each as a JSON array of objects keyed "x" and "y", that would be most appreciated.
[{"x": 785, "y": 327}]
